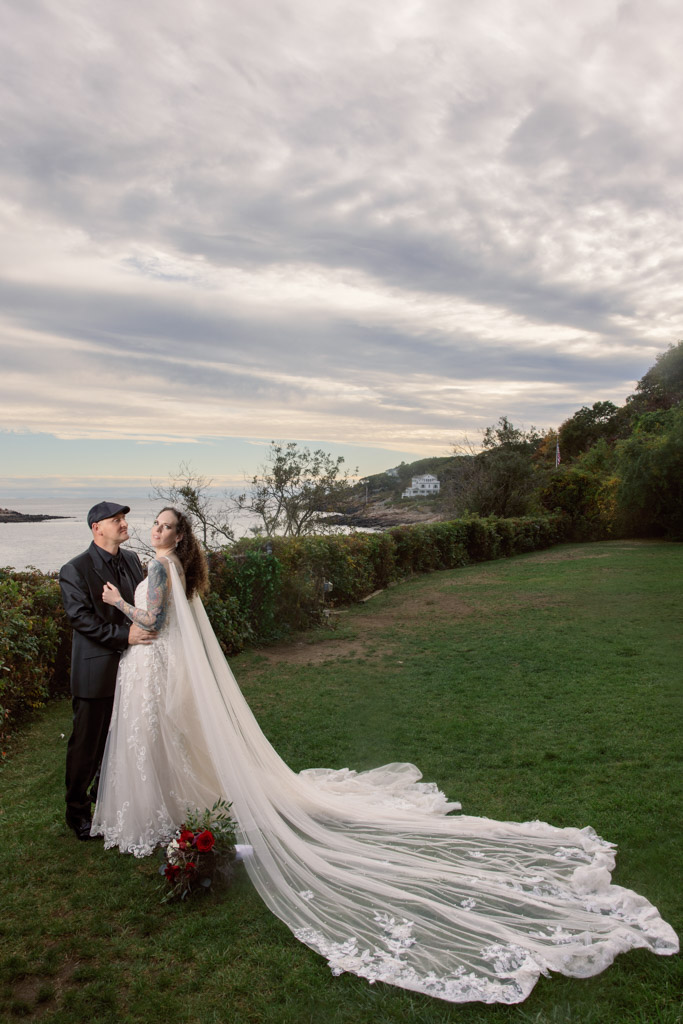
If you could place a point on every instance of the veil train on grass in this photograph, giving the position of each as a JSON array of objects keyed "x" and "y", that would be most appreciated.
[{"x": 374, "y": 871}]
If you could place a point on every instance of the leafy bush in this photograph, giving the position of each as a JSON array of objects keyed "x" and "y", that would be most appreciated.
[
  {"x": 34, "y": 644},
  {"x": 228, "y": 622},
  {"x": 586, "y": 427},
  {"x": 359, "y": 563},
  {"x": 583, "y": 496},
  {"x": 258, "y": 593},
  {"x": 649, "y": 494},
  {"x": 241, "y": 604},
  {"x": 662, "y": 385}
]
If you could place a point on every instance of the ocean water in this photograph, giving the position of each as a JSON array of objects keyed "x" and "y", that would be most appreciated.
[{"x": 48, "y": 545}]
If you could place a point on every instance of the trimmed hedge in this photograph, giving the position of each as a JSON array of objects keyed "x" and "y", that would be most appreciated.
[
  {"x": 257, "y": 596},
  {"x": 35, "y": 645},
  {"x": 356, "y": 565}
]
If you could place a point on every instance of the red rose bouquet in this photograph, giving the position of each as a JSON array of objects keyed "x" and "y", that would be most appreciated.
[{"x": 202, "y": 852}]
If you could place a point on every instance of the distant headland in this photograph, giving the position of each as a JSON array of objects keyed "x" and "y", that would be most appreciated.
[{"x": 8, "y": 515}]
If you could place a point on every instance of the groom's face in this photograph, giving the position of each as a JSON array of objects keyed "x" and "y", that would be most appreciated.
[{"x": 114, "y": 529}]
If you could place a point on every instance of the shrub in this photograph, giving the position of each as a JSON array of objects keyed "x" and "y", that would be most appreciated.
[
  {"x": 585, "y": 497},
  {"x": 34, "y": 644},
  {"x": 227, "y": 621},
  {"x": 258, "y": 593},
  {"x": 359, "y": 563},
  {"x": 649, "y": 492},
  {"x": 241, "y": 604}
]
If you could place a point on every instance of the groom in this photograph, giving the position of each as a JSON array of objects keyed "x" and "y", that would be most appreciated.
[{"x": 101, "y": 634}]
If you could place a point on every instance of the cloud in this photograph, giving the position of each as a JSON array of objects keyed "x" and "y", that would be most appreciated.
[{"x": 337, "y": 221}]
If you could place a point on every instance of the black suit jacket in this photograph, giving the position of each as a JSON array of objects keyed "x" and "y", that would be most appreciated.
[{"x": 100, "y": 630}]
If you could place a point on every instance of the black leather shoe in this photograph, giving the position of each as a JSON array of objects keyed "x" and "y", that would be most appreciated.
[{"x": 80, "y": 827}]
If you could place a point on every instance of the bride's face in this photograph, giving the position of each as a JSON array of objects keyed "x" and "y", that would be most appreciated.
[{"x": 165, "y": 531}]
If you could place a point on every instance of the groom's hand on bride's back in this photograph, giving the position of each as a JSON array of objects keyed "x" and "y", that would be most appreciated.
[{"x": 138, "y": 635}]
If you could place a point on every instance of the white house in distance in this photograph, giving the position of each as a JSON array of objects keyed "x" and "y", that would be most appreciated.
[{"x": 422, "y": 487}]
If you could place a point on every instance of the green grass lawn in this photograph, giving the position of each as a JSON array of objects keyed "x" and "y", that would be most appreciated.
[{"x": 544, "y": 686}]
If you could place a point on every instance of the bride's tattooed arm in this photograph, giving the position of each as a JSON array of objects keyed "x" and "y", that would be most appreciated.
[{"x": 153, "y": 616}]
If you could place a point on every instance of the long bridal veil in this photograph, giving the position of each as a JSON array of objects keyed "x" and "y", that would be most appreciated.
[{"x": 370, "y": 870}]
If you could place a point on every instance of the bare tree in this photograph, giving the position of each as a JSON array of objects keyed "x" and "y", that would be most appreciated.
[
  {"x": 296, "y": 490},
  {"x": 191, "y": 494}
]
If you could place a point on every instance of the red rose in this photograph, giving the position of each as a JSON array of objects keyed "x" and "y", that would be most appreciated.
[
  {"x": 171, "y": 871},
  {"x": 186, "y": 836},
  {"x": 205, "y": 841},
  {"x": 190, "y": 867}
]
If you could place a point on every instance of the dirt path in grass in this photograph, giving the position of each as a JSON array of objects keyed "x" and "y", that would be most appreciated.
[{"x": 370, "y": 623}]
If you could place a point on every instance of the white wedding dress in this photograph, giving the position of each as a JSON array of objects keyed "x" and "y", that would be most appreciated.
[{"x": 369, "y": 869}]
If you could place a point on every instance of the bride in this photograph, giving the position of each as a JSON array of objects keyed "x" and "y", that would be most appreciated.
[
  {"x": 369, "y": 869},
  {"x": 150, "y": 772}
]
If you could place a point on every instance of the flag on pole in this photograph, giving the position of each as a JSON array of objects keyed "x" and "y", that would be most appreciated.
[{"x": 558, "y": 460}]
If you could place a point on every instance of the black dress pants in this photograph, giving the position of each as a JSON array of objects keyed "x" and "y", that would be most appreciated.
[{"x": 84, "y": 752}]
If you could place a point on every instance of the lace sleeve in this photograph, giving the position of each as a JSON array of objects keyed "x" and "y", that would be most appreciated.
[{"x": 153, "y": 616}]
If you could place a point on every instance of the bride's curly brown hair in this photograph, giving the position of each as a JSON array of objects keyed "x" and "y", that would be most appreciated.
[{"x": 192, "y": 558}]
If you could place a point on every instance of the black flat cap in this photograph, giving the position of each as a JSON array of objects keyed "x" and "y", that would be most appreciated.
[{"x": 105, "y": 510}]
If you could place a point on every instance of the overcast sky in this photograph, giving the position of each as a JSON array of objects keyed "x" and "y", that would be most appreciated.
[{"x": 376, "y": 225}]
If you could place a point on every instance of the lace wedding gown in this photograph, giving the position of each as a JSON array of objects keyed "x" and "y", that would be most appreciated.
[
  {"x": 369, "y": 869},
  {"x": 151, "y": 771}
]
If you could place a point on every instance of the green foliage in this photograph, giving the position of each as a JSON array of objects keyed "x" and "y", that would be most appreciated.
[
  {"x": 502, "y": 480},
  {"x": 650, "y": 469},
  {"x": 258, "y": 595},
  {"x": 340, "y": 559},
  {"x": 295, "y": 491},
  {"x": 505, "y": 435},
  {"x": 586, "y": 427},
  {"x": 217, "y": 819},
  {"x": 621, "y": 468},
  {"x": 437, "y": 464},
  {"x": 430, "y": 546},
  {"x": 507, "y": 483},
  {"x": 492, "y": 538},
  {"x": 31, "y": 639},
  {"x": 242, "y": 601},
  {"x": 584, "y": 492},
  {"x": 662, "y": 386},
  {"x": 228, "y": 623},
  {"x": 359, "y": 564},
  {"x": 629, "y": 487},
  {"x": 377, "y": 483},
  {"x": 257, "y": 579},
  {"x": 541, "y": 687}
]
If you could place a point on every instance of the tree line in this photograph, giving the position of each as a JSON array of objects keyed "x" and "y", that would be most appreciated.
[
  {"x": 620, "y": 473},
  {"x": 620, "y": 468}
]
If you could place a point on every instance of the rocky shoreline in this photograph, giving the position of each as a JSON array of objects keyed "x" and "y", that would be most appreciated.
[
  {"x": 381, "y": 515},
  {"x": 8, "y": 515},
  {"x": 378, "y": 515}
]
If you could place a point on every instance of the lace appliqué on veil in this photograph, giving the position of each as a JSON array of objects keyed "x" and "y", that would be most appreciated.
[
  {"x": 387, "y": 963},
  {"x": 370, "y": 869}
]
